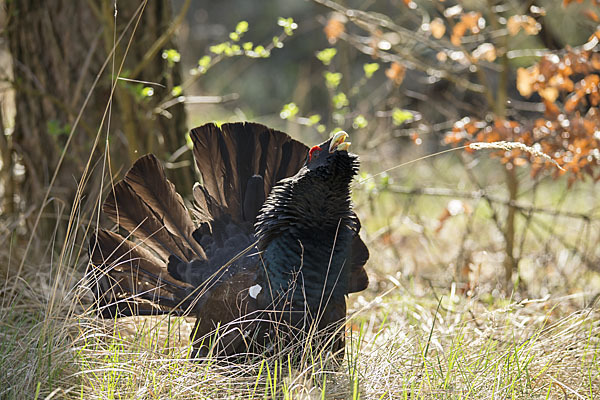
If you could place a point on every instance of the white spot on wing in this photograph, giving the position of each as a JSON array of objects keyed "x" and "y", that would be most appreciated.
[{"x": 254, "y": 291}]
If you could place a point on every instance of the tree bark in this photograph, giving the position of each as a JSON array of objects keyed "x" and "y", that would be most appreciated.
[{"x": 58, "y": 48}]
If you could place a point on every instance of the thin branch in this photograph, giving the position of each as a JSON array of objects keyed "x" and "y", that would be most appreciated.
[
  {"x": 160, "y": 42},
  {"x": 482, "y": 194}
]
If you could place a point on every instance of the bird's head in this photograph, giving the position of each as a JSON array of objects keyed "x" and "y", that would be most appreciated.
[
  {"x": 318, "y": 196},
  {"x": 332, "y": 157}
]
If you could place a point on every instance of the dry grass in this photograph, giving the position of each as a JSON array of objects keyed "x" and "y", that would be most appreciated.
[
  {"x": 409, "y": 337},
  {"x": 508, "y": 146}
]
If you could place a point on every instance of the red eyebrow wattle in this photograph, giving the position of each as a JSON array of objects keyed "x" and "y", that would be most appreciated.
[{"x": 312, "y": 150}]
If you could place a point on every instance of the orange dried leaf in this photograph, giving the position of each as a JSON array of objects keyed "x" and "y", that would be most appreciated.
[
  {"x": 471, "y": 21},
  {"x": 396, "y": 73},
  {"x": 525, "y": 22},
  {"x": 485, "y": 51},
  {"x": 552, "y": 110},
  {"x": 548, "y": 93},
  {"x": 334, "y": 28},
  {"x": 437, "y": 28},
  {"x": 513, "y": 26},
  {"x": 572, "y": 102},
  {"x": 526, "y": 78},
  {"x": 519, "y": 162},
  {"x": 595, "y": 61},
  {"x": 530, "y": 26},
  {"x": 457, "y": 33}
]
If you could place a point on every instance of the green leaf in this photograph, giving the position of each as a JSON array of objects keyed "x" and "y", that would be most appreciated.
[
  {"x": 370, "y": 69},
  {"x": 384, "y": 180},
  {"x": 288, "y": 25},
  {"x": 340, "y": 100},
  {"x": 401, "y": 116},
  {"x": 334, "y": 131},
  {"x": 339, "y": 117},
  {"x": 55, "y": 128},
  {"x": 219, "y": 48},
  {"x": 314, "y": 119},
  {"x": 332, "y": 79},
  {"x": 247, "y": 46},
  {"x": 234, "y": 36},
  {"x": 188, "y": 141},
  {"x": 171, "y": 55},
  {"x": 360, "y": 122},
  {"x": 204, "y": 62},
  {"x": 288, "y": 111},
  {"x": 277, "y": 43},
  {"x": 241, "y": 27},
  {"x": 176, "y": 91},
  {"x": 326, "y": 55},
  {"x": 261, "y": 51},
  {"x": 147, "y": 91}
]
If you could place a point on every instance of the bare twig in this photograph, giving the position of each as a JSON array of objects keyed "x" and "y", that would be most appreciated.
[
  {"x": 160, "y": 42},
  {"x": 482, "y": 194}
]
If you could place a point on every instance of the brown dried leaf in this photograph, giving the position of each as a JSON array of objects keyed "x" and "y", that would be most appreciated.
[
  {"x": 525, "y": 22},
  {"x": 471, "y": 20},
  {"x": 549, "y": 94},
  {"x": 437, "y": 28},
  {"x": 485, "y": 51},
  {"x": 334, "y": 28},
  {"x": 396, "y": 73},
  {"x": 526, "y": 78},
  {"x": 457, "y": 33}
]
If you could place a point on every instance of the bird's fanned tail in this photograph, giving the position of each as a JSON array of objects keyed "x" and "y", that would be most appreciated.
[{"x": 129, "y": 280}]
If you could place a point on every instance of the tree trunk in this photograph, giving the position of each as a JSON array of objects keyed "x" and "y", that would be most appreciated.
[{"x": 58, "y": 48}]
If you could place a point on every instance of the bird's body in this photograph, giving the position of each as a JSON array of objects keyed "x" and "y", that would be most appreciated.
[{"x": 271, "y": 259}]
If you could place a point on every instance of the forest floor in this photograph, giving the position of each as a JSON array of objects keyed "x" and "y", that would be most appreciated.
[{"x": 435, "y": 323}]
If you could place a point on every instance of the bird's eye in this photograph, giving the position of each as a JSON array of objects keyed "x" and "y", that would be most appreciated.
[{"x": 313, "y": 151}]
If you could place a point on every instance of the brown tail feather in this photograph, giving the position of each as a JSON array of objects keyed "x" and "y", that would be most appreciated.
[
  {"x": 229, "y": 156},
  {"x": 147, "y": 205},
  {"x": 128, "y": 210},
  {"x": 148, "y": 180},
  {"x": 129, "y": 280}
]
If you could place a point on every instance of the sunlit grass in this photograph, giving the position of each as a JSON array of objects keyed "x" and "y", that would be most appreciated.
[
  {"x": 416, "y": 333},
  {"x": 400, "y": 345}
]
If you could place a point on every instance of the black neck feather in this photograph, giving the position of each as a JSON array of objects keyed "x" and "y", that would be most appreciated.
[{"x": 304, "y": 231}]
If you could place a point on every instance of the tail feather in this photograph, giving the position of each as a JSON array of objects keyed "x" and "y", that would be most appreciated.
[
  {"x": 230, "y": 156},
  {"x": 129, "y": 280},
  {"x": 207, "y": 207},
  {"x": 213, "y": 161},
  {"x": 148, "y": 180},
  {"x": 128, "y": 210}
]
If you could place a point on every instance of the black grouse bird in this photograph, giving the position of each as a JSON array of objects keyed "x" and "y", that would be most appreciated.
[{"x": 274, "y": 253}]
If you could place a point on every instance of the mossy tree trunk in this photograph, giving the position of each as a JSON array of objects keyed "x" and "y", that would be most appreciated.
[{"x": 58, "y": 50}]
